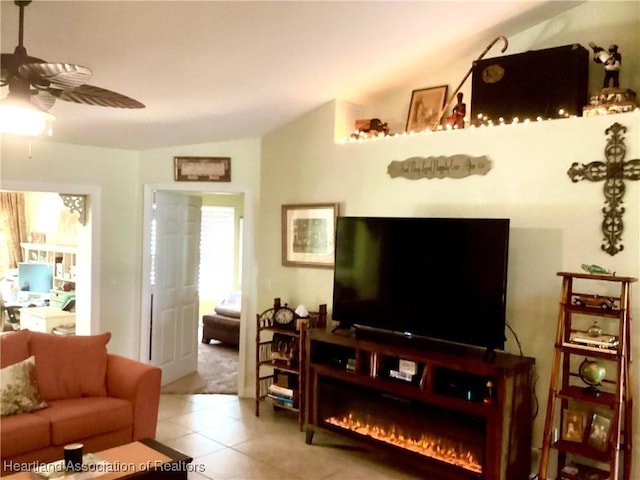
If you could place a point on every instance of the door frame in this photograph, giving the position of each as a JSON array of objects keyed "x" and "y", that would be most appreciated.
[
  {"x": 248, "y": 266},
  {"x": 88, "y": 248}
]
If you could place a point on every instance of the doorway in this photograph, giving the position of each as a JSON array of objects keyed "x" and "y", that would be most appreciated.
[
  {"x": 240, "y": 266},
  {"x": 87, "y": 305},
  {"x": 219, "y": 290}
]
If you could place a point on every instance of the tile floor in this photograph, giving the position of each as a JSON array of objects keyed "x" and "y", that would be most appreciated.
[{"x": 227, "y": 441}]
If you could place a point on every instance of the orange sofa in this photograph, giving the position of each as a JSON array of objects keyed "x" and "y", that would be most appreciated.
[{"x": 78, "y": 393}]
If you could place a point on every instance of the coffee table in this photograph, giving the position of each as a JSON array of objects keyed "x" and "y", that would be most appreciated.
[{"x": 143, "y": 459}]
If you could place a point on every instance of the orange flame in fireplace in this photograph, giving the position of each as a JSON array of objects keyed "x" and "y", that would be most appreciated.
[{"x": 428, "y": 445}]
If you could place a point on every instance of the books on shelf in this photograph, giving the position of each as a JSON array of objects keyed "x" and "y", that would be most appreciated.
[
  {"x": 599, "y": 341},
  {"x": 281, "y": 395},
  {"x": 286, "y": 401},
  {"x": 280, "y": 391}
]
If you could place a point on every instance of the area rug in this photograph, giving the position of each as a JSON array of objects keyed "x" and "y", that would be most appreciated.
[{"x": 217, "y": 372}]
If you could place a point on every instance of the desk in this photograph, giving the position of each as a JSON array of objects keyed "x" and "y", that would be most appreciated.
[{"x": 44, "y": 319}]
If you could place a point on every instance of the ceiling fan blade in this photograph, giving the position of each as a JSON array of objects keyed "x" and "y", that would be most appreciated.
[
  {"x": 10, "y": 62},
  {"x": 65, "y": 75},
  {"x": 91, "y": 95},
  {"x": 43, "y": 99}
]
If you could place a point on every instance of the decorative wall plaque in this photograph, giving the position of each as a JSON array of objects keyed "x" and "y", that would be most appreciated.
[{"x": 454, "y": 166}]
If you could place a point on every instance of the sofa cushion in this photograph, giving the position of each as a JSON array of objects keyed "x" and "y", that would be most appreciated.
[
  {"x": 14, "y": 347},
  {"x": 228, "y": 310},
  {"x": 24, "y": 433},
  {"x": 19, "y": 389},
  {"x": 70, "y": 366},
  {"x": 76, "y": 418},
  {"x": 230, "y": 305}
]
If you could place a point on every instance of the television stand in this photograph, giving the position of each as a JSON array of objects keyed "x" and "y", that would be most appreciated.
[{"x": 391, "y": 393}]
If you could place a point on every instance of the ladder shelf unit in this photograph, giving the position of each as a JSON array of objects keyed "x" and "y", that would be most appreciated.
[{"x": 590, "y": 396}]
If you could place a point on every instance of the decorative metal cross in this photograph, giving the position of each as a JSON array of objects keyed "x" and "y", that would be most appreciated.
[{"x": 613, "y": 172}]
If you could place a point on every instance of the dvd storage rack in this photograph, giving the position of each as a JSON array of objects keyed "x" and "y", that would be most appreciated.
[{"x": 589, "y": 418}]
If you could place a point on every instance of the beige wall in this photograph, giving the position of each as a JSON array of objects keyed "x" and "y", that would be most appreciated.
[
  {"x": 555, "y": 224},
  {"x": 109, "y": 176}
]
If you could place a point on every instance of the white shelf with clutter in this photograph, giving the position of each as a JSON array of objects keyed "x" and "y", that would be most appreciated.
[{"x": 63, "y": 258}]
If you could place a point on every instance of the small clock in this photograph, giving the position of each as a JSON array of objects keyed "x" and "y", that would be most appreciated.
[{"x": 284, "y": 317}]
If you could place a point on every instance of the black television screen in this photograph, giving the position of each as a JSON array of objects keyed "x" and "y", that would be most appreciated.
[{"x": 440, "y": 278}]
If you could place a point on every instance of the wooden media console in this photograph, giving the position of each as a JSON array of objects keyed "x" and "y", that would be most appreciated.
[{"x": 454, "y": 413}]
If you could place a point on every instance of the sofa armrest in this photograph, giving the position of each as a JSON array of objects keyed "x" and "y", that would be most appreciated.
[{"x": 139, "y": 384}]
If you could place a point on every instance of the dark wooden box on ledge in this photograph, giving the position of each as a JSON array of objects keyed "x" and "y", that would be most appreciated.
[{"x": 549, "y": 83}]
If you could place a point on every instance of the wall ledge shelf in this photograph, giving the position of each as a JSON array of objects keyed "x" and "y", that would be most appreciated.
[{"x": 516, "y": 123}]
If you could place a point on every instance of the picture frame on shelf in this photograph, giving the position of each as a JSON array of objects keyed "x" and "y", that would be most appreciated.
[
  {"x": 308, "y": 232},
  {"x": 202, "y": 169},
  {"x": 425, "y": 107},
  {"x": 599, "y": 432},
  {"x": 574, "y": 424}
]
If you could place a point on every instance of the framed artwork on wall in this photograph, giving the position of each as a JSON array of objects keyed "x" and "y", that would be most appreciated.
[
  {"x": 202, "y": 169},
  {"x": 308, "y": 232},
  {"x": 425, "y": 107}
]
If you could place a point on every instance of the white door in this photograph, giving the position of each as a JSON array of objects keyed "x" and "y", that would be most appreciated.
[{"x": 174, "y": 297}]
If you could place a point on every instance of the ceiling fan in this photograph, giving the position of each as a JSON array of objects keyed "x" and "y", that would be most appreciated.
[{"x": 40, "y": 83}]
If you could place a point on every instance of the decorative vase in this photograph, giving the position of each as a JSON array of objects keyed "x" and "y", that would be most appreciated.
[{"x": 595, "y": 330}]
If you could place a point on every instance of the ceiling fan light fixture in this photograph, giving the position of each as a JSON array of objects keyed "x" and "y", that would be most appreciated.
[{"x": 20, "y": 117}]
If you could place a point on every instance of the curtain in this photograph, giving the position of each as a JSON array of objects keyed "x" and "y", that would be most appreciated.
[{"x": 13, "y": 225}]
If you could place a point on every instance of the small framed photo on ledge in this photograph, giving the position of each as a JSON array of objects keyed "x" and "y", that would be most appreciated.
[
  {"x": 425, "y": 107},
  {"x": 202, "y": 169},
  {"x": 574, "y": 424},
  {"x": 308, "y": 232},
  {"x": 599, "y": 432}
]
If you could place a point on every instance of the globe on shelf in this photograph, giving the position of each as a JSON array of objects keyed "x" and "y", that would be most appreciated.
[{"x": 592, "y": 373}]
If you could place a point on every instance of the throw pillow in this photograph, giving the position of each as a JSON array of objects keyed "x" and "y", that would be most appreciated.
[
  {"x": 70, "y": 366},
  {"x": 19, "y": 389}
]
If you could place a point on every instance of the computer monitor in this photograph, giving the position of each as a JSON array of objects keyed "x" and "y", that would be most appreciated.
[{"x": 35, "y": 277}]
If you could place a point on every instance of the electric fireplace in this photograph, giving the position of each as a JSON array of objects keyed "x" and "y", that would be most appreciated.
[{"x": 438, "y": 435}]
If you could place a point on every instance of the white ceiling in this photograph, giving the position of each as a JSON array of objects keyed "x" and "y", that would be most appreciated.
[{"x": 211, "y": 71}]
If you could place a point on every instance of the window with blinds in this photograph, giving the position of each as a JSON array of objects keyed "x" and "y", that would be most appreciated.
[{"x": 216, "y": 252}]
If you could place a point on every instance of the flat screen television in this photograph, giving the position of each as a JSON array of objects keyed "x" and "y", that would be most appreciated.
[
  {"x": 442, "y": 279},
  {"x": 35, "y": 277}
]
